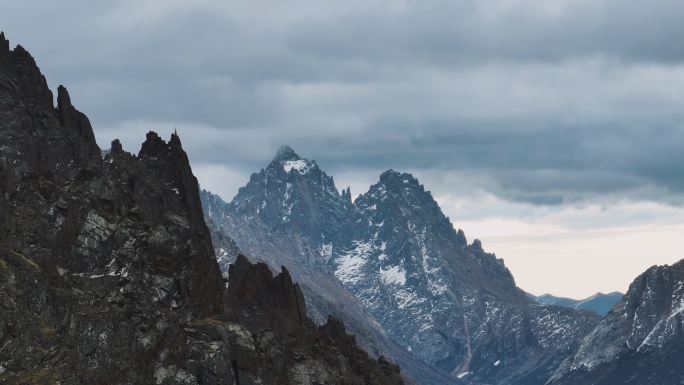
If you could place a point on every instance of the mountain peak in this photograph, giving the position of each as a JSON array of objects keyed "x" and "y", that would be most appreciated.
[
  {"x": 391, "y": 173},
  {"x": 19, "y": 65},
  {"x": 285, "y": 153},
  {"x": 401, "y": 183},
  {"x": 400, "y": 178},
  {"x": 4, "y": 41},
  {"x": 287, "y": 159}
]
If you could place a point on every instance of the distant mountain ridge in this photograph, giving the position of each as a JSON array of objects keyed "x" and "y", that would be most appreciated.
[
  {"x": 599, "y": 303},
  {"x": 395, "y": 269}
]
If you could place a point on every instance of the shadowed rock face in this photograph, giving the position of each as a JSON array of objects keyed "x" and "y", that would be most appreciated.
[{"x": 108, "y": 274}]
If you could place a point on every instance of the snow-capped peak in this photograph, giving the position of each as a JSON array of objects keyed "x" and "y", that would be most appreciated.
[{"x": 289, "y": 160}]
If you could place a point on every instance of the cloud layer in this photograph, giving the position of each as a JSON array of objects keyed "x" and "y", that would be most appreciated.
[{"x": 546, "y": 106}]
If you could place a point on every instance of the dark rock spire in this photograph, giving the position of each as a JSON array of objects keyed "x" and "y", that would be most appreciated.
[
  {"x": 18, "y": 64},
  {"x": 346, "y": 196},
  {"x": 4, "y": 48},
  {"x": 116, "y": 147},
  {"x": 152, "y": 146},
  {"x": 76, "y": 123}
]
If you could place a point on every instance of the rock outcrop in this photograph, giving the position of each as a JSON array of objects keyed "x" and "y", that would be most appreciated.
[{"x": 108, "y": 274}]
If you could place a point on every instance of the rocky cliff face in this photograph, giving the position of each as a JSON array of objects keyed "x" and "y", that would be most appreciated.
[
  {"x": 640, "y": 341},
  {"x": 393, "y": 253},
  {"x": 108, "y": 274}
]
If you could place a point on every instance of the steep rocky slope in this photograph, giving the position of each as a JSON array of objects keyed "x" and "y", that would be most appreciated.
[
  {"x": 447, "y": 303},
  {"x": 640, "y": 341},
  {"x": 108, "y": 274}
]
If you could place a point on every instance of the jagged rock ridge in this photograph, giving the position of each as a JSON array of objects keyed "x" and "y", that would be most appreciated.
[
  {"x": 449, "y": 303},
  {"x": 107, "y": 270}
]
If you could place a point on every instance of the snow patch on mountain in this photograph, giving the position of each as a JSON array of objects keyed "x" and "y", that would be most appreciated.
[
  {"x": 299, "y": 165},
  {"x": 393, "y": 275},
  {"x": 326, "y": 251},
  {"x": 350, "y": 265}
]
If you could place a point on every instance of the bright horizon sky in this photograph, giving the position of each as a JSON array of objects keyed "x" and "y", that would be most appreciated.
[{"x": 551, "y": 130}]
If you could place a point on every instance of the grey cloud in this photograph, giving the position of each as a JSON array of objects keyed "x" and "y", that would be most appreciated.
[
  {"x": 456, "y": 32},
  {"x": 547, "y": 102}
]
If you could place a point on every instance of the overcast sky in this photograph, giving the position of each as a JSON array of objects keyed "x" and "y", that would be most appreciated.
[{"x": 553, "y": 130}]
